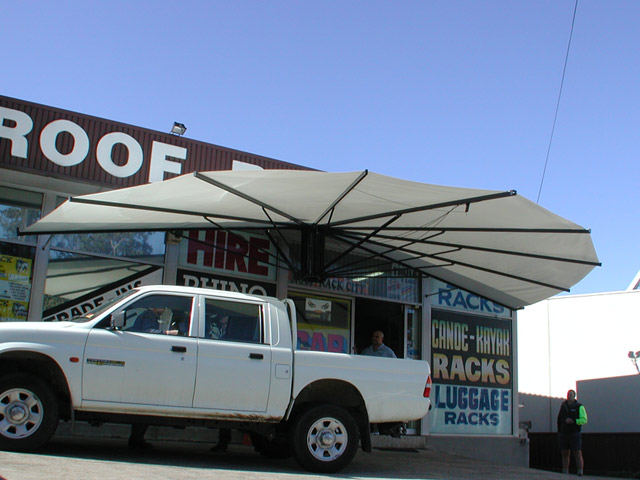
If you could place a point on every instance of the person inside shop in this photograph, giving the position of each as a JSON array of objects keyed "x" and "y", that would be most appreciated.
[
  {"x": 571, "y": 417},
  {"x": 377, "y": 347}
]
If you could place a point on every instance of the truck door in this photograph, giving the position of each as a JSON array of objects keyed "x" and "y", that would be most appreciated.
[
  {"x": 150, "y": 361},
  {"x": 234, "y": 362}
]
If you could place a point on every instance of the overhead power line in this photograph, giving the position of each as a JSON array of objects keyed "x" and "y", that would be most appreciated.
[{"x": 555, "y": 117}]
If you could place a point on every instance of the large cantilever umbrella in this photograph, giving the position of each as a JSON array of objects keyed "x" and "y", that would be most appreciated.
[{"x": 496, "y": 244}]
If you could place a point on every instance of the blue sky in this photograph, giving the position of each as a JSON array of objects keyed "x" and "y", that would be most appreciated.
[{"x": 459, "y": 93}]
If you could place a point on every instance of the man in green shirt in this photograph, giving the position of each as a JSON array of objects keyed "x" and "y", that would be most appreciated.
[{"x": 571, "y": 417}]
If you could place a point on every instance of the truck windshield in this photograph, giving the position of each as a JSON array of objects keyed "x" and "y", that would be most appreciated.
[{"x": 105, "y": 306}]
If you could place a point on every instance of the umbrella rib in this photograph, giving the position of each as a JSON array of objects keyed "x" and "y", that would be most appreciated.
[
  {"x": 423, "y": 269},
  {"x": 280, "y": 255},
  {"x": 474, "y": 267},
  {"x": 360, "y": 242},
  {"x": 406, "y": 242},
  {"x": 389, "y": 249},
  {"x": 96, "y": 270},
  {"x": 462, "y": 201},
  {"x": 342, "y": 267},
  {"x": 249, "y": 198},
  {"x": 385, "y": 271},
  {"x": 383, "y": 255},
  {"x": 134, "y": 206},
  {"x": 285, "y": 259},
  {"x": 339, "y": 269},
  {"x": 384, "y": 266},
  {"x": 508, "y": 275},
  {"x": 493, "y": 250},
  {"x": 342, "y": 195},
  {"x": 386, "y": 226},
  {"x": 276, "y": 246},
  {"x": 474, "y": 229}
]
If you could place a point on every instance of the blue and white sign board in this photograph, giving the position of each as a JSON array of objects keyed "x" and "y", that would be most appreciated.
[
  {"x": 472, "y": 364},
  {"x": 449, "y": 297}
]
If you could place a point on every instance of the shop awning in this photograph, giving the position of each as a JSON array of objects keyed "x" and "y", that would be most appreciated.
[{"x": 496, "y": 244}]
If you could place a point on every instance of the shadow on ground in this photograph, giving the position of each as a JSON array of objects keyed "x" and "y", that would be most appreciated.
[{"x": 241, "y": 459}]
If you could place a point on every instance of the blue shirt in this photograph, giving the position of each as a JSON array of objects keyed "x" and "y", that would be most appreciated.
[
  {"x": 382, "y": 351},
  {"x": 146, "y": 322}
]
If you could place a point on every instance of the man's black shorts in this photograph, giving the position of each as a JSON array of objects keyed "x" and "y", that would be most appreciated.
[{"x": 570, "y": 441}]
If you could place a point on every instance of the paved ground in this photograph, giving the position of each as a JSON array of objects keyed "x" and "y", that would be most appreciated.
[{"x": 110, "y": 459}]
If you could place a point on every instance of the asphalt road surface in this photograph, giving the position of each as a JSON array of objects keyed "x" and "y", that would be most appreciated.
[{"x": 110, "y": 459}]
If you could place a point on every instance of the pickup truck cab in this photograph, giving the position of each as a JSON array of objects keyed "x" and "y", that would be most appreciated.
[{"x": 167, "y": 355}]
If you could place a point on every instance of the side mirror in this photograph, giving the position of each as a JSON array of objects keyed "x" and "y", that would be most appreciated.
[{"x": 117, "y": 320}]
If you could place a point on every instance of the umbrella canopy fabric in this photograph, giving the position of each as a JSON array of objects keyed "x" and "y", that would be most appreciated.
[{"x": 496, "y": 244}]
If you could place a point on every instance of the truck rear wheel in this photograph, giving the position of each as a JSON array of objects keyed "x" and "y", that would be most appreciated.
[
  {"x": 28, "y": 412},
  {"x": 325, "y": 439}
]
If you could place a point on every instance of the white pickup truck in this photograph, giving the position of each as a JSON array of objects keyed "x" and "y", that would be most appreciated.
[{"x": 179, "y": 356}]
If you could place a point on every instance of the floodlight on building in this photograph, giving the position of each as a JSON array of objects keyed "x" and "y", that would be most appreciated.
[
  {"x": 634, "y": 359},
  {"x": 178, "y": 128}
]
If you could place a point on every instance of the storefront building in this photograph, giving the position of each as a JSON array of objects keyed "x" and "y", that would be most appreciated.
[{"x": 48, "y": 154}]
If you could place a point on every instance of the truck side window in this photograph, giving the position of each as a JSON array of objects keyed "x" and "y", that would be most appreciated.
[
  {"x": 232, "y": 321},
  {"x": 162, "y": 314}
]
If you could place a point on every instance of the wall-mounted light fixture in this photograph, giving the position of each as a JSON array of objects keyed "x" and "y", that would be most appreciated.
[
  {"x": 634, "y": 356},
  {"x": 178, "y": 128}
]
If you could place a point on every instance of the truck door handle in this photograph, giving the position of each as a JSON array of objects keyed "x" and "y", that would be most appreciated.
[
  {"x": 176, "y": 348},
  {"x": 256, "y": 356}
]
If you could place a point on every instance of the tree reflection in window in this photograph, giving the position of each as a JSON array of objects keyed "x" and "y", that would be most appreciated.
[
  {"x": 14, "y": 218},
  {"x": 126, "y": 244}
]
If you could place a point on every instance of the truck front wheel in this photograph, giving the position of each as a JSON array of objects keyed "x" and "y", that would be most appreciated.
[
  {"x": 28, "y": 412},
  {"x": 325, "y": 439}
]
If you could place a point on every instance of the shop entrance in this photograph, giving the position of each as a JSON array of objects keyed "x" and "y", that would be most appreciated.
[{"x": 374, "y": 315}]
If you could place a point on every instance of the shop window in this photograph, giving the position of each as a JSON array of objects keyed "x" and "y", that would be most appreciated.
[
  {"x": 414, "y": 332},
  {"x": 85, "y": 269},
  {"x": 77, "y": 283},
  {"x": 18, "y": 210},
  {"x": 146, "y": 246},
  {"x": 118, "y": 244},
  {"x": 324, "y": 323},
  {"x": 16, "y": 273},
  {"x": 364, "y": 275},
  {"x": 388, "y": 317}
]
